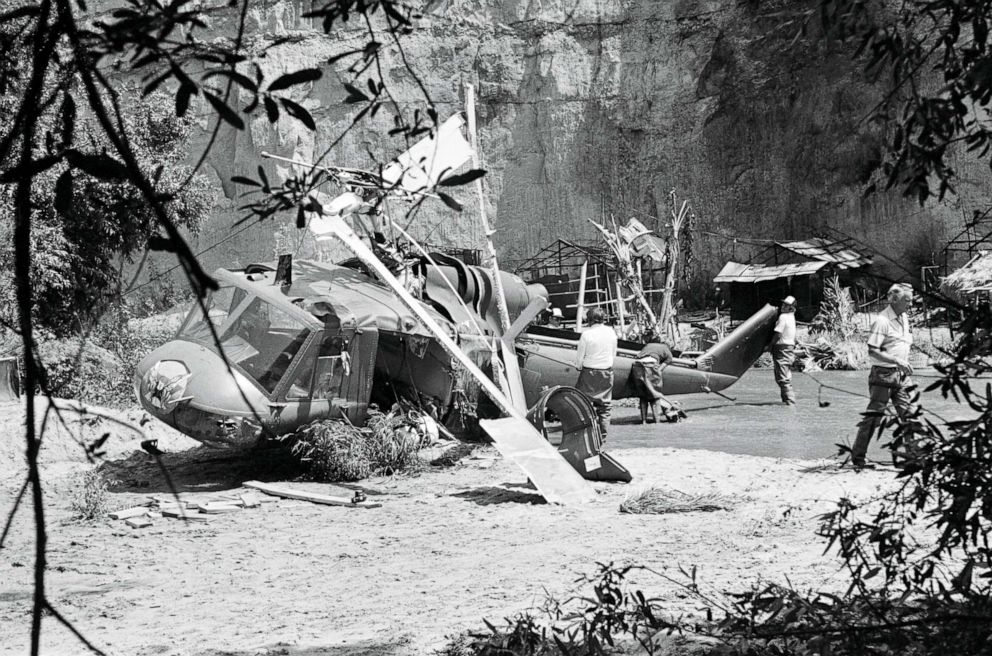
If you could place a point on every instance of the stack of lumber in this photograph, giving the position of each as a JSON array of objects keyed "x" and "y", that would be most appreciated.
[
  {"x": 200, "y": 507},
  {"x": 186, "y": 508}
]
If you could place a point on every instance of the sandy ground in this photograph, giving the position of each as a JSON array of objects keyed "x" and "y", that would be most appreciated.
[{"x": 447, "y": 548}]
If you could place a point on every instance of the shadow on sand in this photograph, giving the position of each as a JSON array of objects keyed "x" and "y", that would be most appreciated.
[
  {"x": 201, "y": 469},
  {"x": 358, "y": 648},
  {"x": 487, "y": 496}
]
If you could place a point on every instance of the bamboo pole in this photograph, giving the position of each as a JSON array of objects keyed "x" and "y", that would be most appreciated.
[
  {"x": 620, "y": 313},
  {"x": 504, "y": 313},
  {"x": 582, "y": 296}
]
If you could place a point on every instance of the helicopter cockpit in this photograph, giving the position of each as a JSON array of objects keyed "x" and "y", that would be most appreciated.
[{"x": 257, "y": 337}]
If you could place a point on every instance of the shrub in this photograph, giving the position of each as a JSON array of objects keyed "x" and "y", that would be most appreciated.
[
  {"x": 335, "y": 450},
  {"x": 88, "y": 498},
  {"x": 99, "y": 368},
  {"x": 595, "y": 623},
  {"x": 838, "y": 342}
]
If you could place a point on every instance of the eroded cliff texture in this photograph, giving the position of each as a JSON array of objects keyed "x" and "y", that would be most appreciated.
[{"x": 592, "y": 108}]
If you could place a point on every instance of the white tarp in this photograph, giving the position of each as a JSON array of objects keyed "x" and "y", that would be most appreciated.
[{"x": 430, "y": 159}]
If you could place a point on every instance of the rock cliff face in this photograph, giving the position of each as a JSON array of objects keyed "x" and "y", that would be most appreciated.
[{"x": 598, "y": 108}]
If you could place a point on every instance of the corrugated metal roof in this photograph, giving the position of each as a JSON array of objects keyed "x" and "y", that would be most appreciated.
[
  {"x": 737, "y": 272},
  {"x": 824, "y": 250}
]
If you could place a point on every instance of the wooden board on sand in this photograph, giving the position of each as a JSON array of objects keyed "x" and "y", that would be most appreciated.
[{"x": 325, "y": 499}]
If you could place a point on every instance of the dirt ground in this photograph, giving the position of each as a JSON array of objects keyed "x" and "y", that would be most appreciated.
[{"x": 448, "y": 547}]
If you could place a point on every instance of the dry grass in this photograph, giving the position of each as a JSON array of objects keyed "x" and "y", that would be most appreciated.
[
  {"x": 659, "y": 501},
  {"x": 454, "y": 454},
  {"x": 88, "y": 498},
  {"x": 334, "y": 450}
]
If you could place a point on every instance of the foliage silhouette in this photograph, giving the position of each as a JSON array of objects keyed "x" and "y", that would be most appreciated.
[{"x": 61, "y": 61}]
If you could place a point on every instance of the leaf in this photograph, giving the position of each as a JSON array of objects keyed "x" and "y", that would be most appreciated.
[
  {"x": 63, "y": 192},
  {"x": 271, "y": 109},
  {"x": 224, "y": 111},
  {"x": 450, "y": 202},
  {"x": 342, "y": 55},
  {"x": 301, "y": 218},
  {"x": 103, "y": 166},
  {"x": 240, "y": 179},
  {"x": 299, "y": 113},
  {"x": 154, "y": 84},
  {"x": 182, "y": 98},
  {"x": 294, "y": 78},
  {"x": 355, "y": 94},
  {"x": 394, "y": 14},
  {"x": 239, "y": 79},
  {"x": 462, "y": 178}
]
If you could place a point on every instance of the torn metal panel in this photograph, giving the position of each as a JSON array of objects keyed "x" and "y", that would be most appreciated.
[{"x": 737, "y": 272}]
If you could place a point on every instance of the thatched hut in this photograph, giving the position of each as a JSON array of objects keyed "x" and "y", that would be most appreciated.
[{"x": 972, "y": 282}]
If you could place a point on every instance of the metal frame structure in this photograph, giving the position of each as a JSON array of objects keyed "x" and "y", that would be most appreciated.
[{"x": 564, "y": 258}]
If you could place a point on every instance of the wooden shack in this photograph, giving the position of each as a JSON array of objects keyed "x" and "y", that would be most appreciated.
[{"x": 797, "y": 268}]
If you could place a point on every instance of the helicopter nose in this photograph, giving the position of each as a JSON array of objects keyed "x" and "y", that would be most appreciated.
[{"x": 183, "y": 374}]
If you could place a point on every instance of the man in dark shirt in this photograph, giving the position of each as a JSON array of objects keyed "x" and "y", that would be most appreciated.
[{"x": 647, "y": 379}]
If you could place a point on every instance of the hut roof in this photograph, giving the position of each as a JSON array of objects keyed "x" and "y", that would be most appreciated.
[
  {"x": 975, "y": 276},
  {"x": 737, "y": 272}
]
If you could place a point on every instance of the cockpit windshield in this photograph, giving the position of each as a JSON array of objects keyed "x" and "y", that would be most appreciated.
[{"x": 257, "y": 337}]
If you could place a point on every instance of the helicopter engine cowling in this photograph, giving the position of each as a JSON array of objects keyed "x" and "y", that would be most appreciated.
[{"x": 476, "y": 288}]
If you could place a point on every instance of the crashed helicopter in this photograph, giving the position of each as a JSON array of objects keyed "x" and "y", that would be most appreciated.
[
  {"x": 327, "y": 340},
  {"x": 279, "y": 345}
]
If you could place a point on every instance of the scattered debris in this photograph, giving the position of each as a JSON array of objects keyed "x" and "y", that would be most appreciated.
[
  {"x": 138, "y": 522},
  {"x": 658, "y": 501},
  {"x": 136, "y": 511},
  {"x": 187, "y": 507},
  {"x": 311, "y": 496}
]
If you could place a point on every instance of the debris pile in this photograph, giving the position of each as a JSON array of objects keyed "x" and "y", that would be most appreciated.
[
  {"x": 185, "y": 509},
  {"x": 827, "y": 353},
  {"x": 660, "y": 500}
]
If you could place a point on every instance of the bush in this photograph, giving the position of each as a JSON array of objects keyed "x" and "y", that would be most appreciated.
[
  {"x": 99, "y": 368},
  {"x": 334, "y": 450},
  {"x": 88, "y": 498},
  {"x": 838, "y": 344}
]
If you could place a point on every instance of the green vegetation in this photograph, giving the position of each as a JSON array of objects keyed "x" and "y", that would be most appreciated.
[
  {"x": 335, "y": 450},
  {"x": 88, "y": 497}
]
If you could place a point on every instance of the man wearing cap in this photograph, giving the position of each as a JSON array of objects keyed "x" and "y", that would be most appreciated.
[
  {"x": 554, "y": 320},
  {"x": 889, "y": 341},
  {"x": 784, "y": 348},
  {"x": 594, "y": 359}
]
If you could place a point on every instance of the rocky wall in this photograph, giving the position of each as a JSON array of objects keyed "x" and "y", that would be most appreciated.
[{"x": 592, "y": 108}]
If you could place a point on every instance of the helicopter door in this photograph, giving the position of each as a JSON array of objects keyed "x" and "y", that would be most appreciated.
[
  {"x": 347, "y": 376},
  {"x": 357, "y": 387}
]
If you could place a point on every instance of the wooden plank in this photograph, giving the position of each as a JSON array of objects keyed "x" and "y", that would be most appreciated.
[
  {"x": 182, "y": 514},
  {"x": 136, "y": 511},
  {"x": 218, "y": 507},
  {"x": 250, "y": 501},
  {"x": 309, "y": 496},
  {"x": 138, "y": 522}
]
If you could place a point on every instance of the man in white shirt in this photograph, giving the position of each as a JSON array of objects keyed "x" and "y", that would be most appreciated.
[
  {"x": 784, "y": 348},
  {"x": 594, "y": 360},
  {"x": 889, "y": 341}
]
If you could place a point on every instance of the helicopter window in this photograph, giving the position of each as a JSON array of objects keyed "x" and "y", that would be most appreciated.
[
  {"x": 220, "y": 305},
  {"x": 300, "y": 387},
  {"x": 263, "y": 341}
]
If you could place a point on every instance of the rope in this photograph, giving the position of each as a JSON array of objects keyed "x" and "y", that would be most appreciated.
[{"x": 824, "y": 404}]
